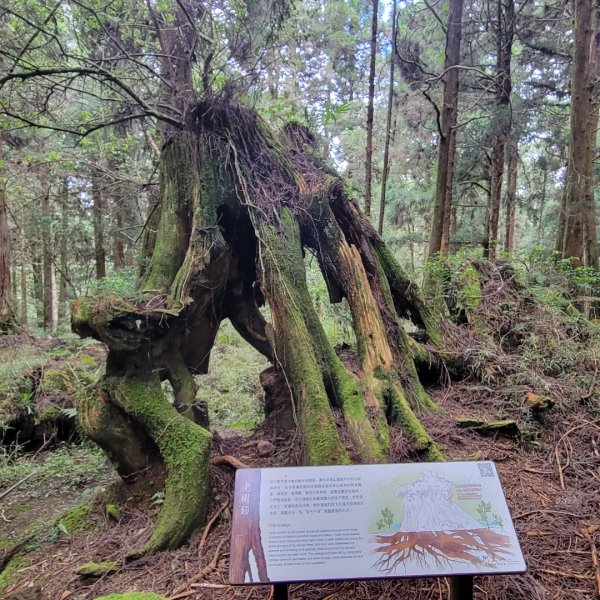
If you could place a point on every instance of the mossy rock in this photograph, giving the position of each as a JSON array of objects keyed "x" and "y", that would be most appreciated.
[
  {"x": 92, "y": 569},
  {"x": 132, "y": 596}
]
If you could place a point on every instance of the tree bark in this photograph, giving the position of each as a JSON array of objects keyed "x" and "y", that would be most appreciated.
[
  {"x": 50, "y": 310},
  {"x": 62, "y": 241},
  {"x": 388, "y": 123},
  {"x": 579, "y": 240},
  {"x": 511, "y": 196},
  {"x": 442, "y": 209},
  {"x": 98, "y": 214},
  {"x": 505, "y": 26},
  {"x": 370, "y": 110},
  {"x": 24, "y": 302},
  {"x": 8, "y": 321}
]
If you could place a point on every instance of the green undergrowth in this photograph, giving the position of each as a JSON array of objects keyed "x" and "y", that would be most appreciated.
[
  {"x": 41, "y": 377},
  {"x": 71, "y": 467},
  {"x": 231, "y": 388}
]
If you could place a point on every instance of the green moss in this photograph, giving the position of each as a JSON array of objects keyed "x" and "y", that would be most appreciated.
[
  {"x": 372, "y": 442},
  {"x": 92, "y": 569},
  {"x": 10, "y": 576},
  {"x": 112, "y": 512},
  {"x": 410, "y": 425},
  {"x": 506, "y": 427},
  {"x": 76, "y": 518},
  {"x": 301, "y": 341},
  {"x": 49, "y": 414},
  {"x": 184, "y": 447},
  {"x": 132, "y": 596}
]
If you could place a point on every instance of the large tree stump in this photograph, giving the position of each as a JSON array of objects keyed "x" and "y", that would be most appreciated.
[{"x": 238, "y": 208}]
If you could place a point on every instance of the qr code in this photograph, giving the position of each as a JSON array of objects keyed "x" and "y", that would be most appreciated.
[{"x": 485, "y": 469}]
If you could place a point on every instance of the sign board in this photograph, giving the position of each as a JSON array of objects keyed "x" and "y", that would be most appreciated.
[{"x": 370, "y": 521}]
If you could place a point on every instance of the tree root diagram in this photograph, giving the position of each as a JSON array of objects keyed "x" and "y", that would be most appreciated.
[{"x": 479, "y": 547}]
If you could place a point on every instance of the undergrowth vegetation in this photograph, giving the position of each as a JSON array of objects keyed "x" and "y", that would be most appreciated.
[{"x": 231, "y": 388}]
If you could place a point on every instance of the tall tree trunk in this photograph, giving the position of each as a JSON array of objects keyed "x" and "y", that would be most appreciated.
[
  {"x": 442, "y": 209},
  {"x": 119, "y": 249},
  {"x": 23, "y": 303},
  {"x": 388, "y": 123},
  {"x": 540, "y": 224},
  {"x": 370, "y": 111},
  {"x": 63, "y": 241},
  {"x": 98, "y": 213},
  {"x": 7, "y": 315},
  {"x": 38, "y": 275},
  {"x": 511, "y": 195},
  {"x": 505, "y": 26},
  {"x": 50, "y": 296},
  {"x": 579, "y": 236}
]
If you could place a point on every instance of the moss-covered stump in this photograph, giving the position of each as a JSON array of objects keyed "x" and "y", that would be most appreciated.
[{"x": 238, "y": 208}]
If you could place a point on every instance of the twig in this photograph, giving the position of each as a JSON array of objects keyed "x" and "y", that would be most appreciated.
[
  {"x": 227, "y": 459},
  {"x": 588, "y": 536},
  {"x": 546, "y": 511},
  {"x": 209, "y": 568},
  {"x": 209, "y": 525},
  {"x": 565, "y": 574},
  {"x": 16, "y": 485},
  {"x": 560, "y": 471}
]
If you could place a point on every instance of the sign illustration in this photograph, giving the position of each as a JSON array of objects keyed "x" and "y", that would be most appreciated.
[{"x": 365, "y": 521}]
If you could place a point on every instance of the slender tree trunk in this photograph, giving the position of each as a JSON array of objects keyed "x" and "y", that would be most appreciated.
[
  {"x": 579, "y": 236},
  {"x": 442, "y": 209},
  {"x": 23, "y": 304},
  {"x": 98, "y": 213},
  {"x": 370, "y": 111},
  {"x": 543, "y": 204},
  {"x": 388, "y": 124},
  {"x": 119, "y": 259},
  {"x": 505, "y": 25},
  {"x": 38, "y": 276},
  {"x": 50, "y": 298},
  {"x": 7, "y": 316},
  {"x": 511, "y": 196},
  {"x": 63, "y": 241}
]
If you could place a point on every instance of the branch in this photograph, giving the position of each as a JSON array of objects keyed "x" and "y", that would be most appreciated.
[
  {"x": 476, "y": 184},
  {"x": 438, "y": 115},
  {"x": 437, "y": 17},
  {"x": 90, "y": 72},
  {"x": 34, "y": 35}
]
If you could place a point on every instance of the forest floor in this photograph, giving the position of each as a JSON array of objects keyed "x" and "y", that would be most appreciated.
[{"x": 550, "y": 471}]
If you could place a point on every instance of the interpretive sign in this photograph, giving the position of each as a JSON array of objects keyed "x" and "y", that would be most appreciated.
[{"x": 369, "y": 521}]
